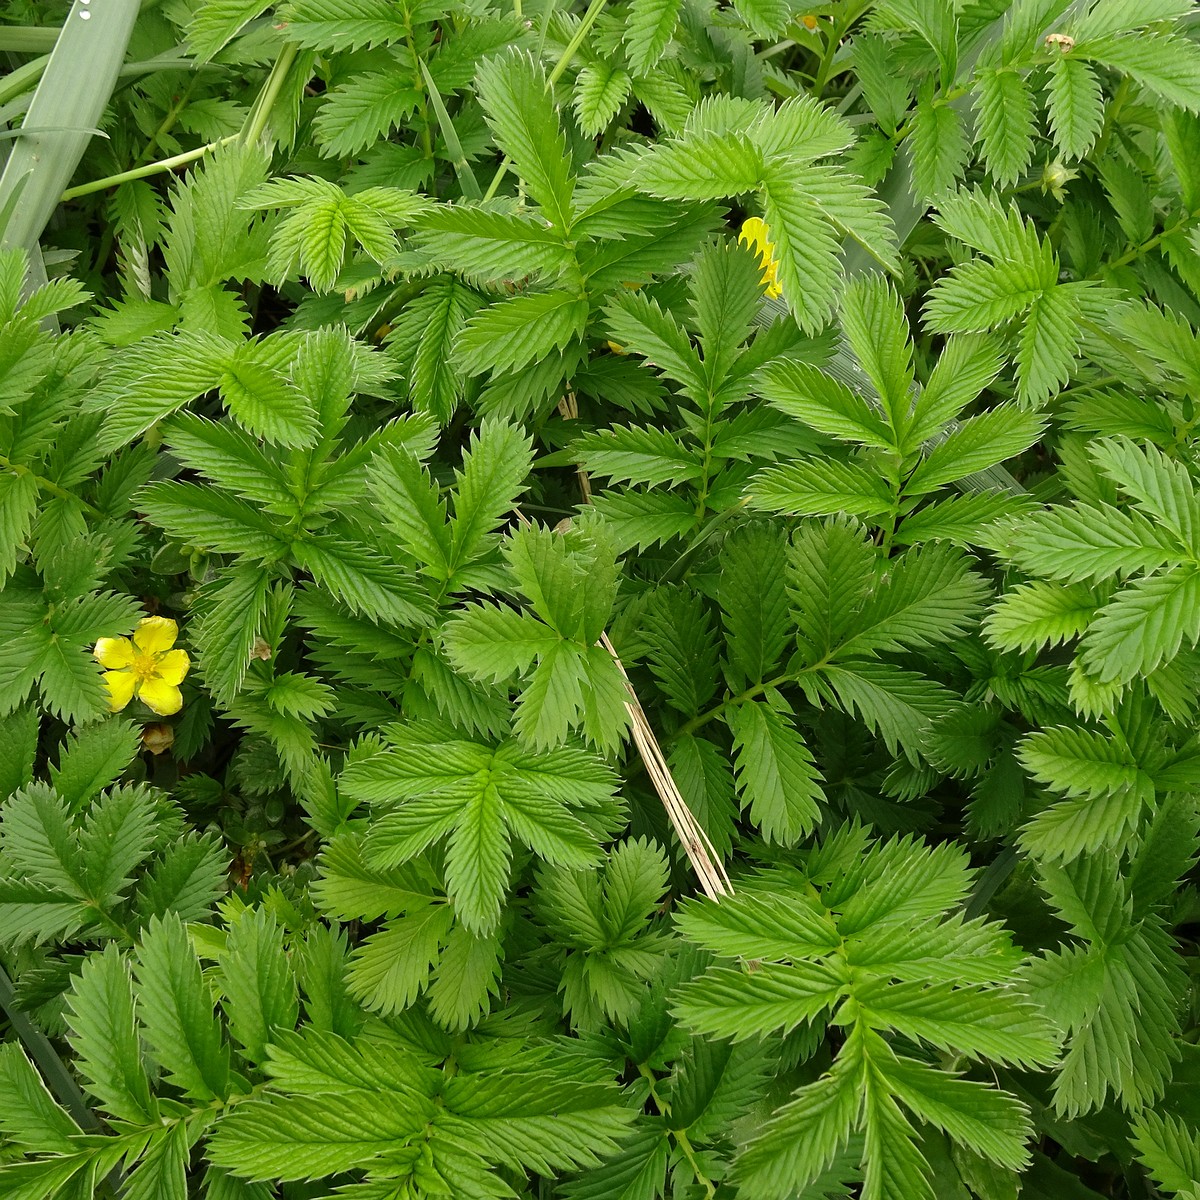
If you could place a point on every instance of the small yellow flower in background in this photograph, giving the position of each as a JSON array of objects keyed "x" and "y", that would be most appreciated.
[
  {"x": 146, "y": 667},
  {"x": 615, "y": 348},
  {"x": 757, "y": 236}
]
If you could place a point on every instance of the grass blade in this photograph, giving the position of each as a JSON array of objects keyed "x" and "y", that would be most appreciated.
[{"x": 68, "y": 104}]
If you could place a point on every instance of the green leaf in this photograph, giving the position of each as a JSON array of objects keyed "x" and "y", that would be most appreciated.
[
  {"x": 40, "y": 842},
  {"x": 327, "y": 25},
  {"x": 422, "y": 339},
  {"x": 1049, "y": 342},
  {"x": 978, "y": 1022},
  {"x": 753, "y": 596},
  {"x": 18, "y": 507},
  {"x": 701, "y": 166},
  {"x": 29, "y": 1115},
  {"x": 1162, "y": 487},
  {"x": 777, "y": 778},
  {"x": 733, "y": 1003},
  {"x": 188, "y": 878},
  {"x": 1075, "y": 105},
  {"x": 929, "y": 595},
  {"x": 822, "y": 487},
  {"x": 410, "y": 503},
  {"x": 391, "y": 968},
  {"x": 94, "y": 757},
  {"x": 1004, "y": 109},
  {"x": 649, "y": 27},
  {"x": 600, "y": 91},
  {"x": 766, "y": 18},
  {"x": 229, "y": 617},
  {"x": 211, "y": 520},
  {"x": 176, "y": 1011},
  {"x": 309, "y": 1137},
  {"x": 758, "y": 923},
  {"x": 1077, "y": 542},
  {"x": 496, "y": 643},
  {"x": 363, "y": 580},
  {"x": 510, "y": 334},
  {"x": 162, "y": 1171},
  {"x": 1040, "y": 614},
  {"x": 478, "y": 861},
  {"x": 806, "y": 210},
  {"x": 976, "y": 444},
  {"x": 939, "y": 149},
  {"x": 894, "y": 703},
  {"x": 1169, "y": 1149},
  {"x": 801, "y": 1139},
  {"x": 18, "y": 750},
  {"x": 216, "y": 22},
  {"x": 104, "y": 1036},
  {"x": 232, "y": 459},
  {"x": 1078, "y": 762},
  {"x": 1164, "y": 64},
  {"x": 116, "y": 837},
  {"x": 829, "y": 406},
  {"x": 467, "y": 977},
  {"x": 1144, "y": 625},
  {"x": 492, "y": 246},
  {"x": 494, "y": 473},
  {"x": 260, "y": 989},
  {"x": 516, "y": 99},
  {"x": 363, "y": 111},
  {"x": 636, "y": 454},
  {"x": 639, "y": 324},
  {"x": 478, "y": 797}
]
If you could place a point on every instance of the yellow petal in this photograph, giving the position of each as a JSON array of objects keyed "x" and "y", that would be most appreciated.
[
  {"x": 756, "y": 235},
  {"x": 114, "y": 653},
  {"x": 172, "y": 667},
  {"x": 160, "y": 697},
  {"x": 120, "y": 688},
  {"x": 155, "y": 634}
]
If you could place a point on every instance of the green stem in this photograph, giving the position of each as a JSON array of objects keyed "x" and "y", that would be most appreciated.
[
  {"x": 717, "y": 709},
  {"x": 841, "y": 26},
  {"x": 48, "y": 485},
  {"x": 168, "y": 122},
  {"x": 256, "y": 122},
  {"x": 28, "y": 39},
  {"x": 154, "y": 168},
  {"x": 564, "y": 61},
  {"x": 1150, "y": 243},
  {"x": 260, "y": 114},
  {"x": 680, "y": 1135},
  {"x": 585, "y": 27},
  {"x": 23, "y": 79},
  {"x": 397, "y": 300}
]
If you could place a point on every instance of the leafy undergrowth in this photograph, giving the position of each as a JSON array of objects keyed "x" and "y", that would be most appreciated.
[{"x": 600, "y": 605}]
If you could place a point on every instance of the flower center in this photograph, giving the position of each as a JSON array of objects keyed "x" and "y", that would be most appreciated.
[{"x": 144, "y": 666}]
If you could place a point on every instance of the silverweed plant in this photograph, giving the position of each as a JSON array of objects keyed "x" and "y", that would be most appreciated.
[{"x": 599, "y": 601}]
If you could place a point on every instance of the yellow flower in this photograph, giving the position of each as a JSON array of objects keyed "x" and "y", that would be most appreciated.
[
  {"x": 757, "y": 236},
  {"x": 146, "y": 667}
]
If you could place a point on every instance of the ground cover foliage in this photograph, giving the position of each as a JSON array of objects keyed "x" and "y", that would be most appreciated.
[{"x": 398, "y": 378}]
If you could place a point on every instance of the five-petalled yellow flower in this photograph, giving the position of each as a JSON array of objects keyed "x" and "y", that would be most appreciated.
[
  {"x": 757, "y": 236},
  {"x": 145, "y": 667}
]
